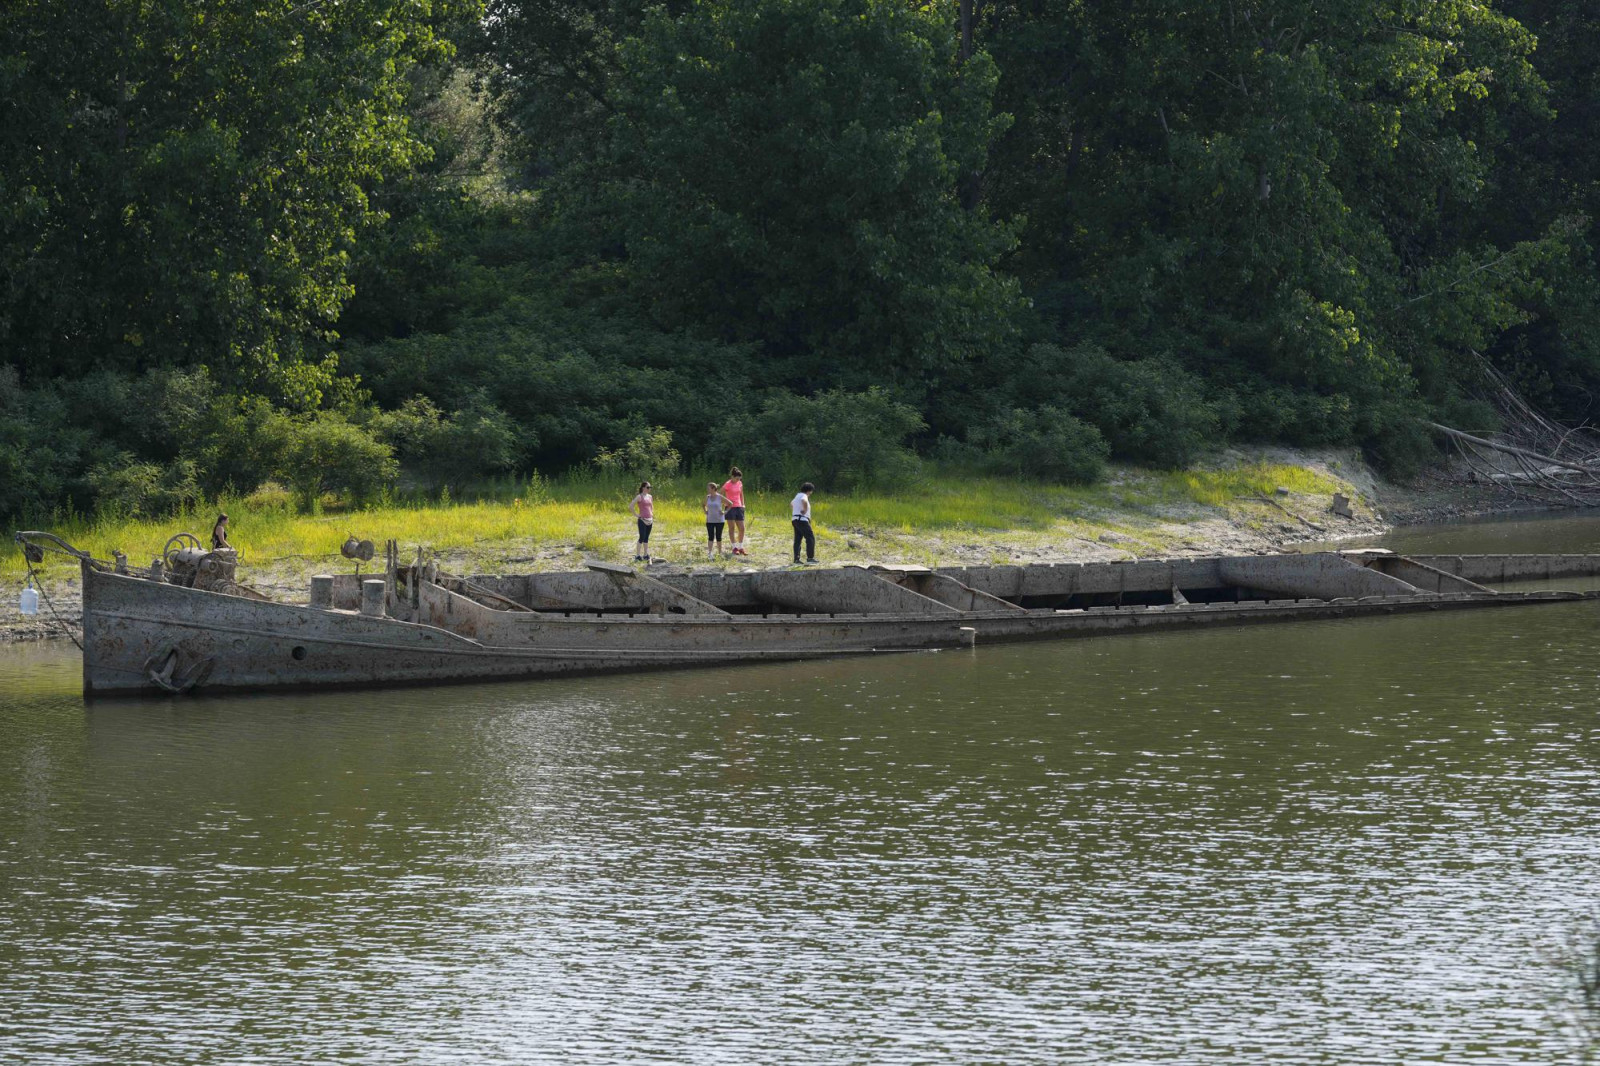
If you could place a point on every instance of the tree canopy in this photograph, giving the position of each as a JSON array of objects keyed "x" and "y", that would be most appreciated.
[
  {"x": 1037, "y": 231},
  {"x": 184, "y": 182}
]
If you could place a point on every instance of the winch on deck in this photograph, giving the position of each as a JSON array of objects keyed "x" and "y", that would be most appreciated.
[{"x": 186, "y": 562}]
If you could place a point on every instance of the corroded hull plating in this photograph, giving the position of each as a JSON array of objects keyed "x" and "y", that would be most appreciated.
[{"x": 145, "y": 637}]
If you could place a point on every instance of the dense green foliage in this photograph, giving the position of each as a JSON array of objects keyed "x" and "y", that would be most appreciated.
[
  {"x": 183, "y": 182},
  {"x": 1042, "y": 442},
  {"x": 839, "y": 439},
  {"x": 307, "y": 242},
  {"x": 782, "y": 172}
]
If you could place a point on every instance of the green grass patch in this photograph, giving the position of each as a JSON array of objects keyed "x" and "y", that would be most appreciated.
[
  {"x": 956, "y": 502},
  {"x": 1219, "y": 487}
]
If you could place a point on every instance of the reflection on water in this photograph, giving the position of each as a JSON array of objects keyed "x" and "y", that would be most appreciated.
[
  {"x": 1330, "y": 842},
  {"x": 1557, "y": 531}
]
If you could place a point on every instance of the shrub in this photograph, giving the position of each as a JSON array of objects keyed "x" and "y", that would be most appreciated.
[
  {"x": 325, "y": 453},
  {"x": 234, "y": 441},
  {"x": 567, "y": 379},
  {"x": 133, "y": 489},
  {"x": 1266, "y": 411},
  {"x": 958, "y": 454},
  {"x": 1046, "y": 443},
  {"x": 649, "y": 455},
  {"x": 1148, "y": 410},
  {"x": 1399, "y": 444},
  {"x": 41, "y": 448},
  {"x": 269, "y": 496},
  {"x": 468, "y": 445},
  {"x": 841, "y": 440}
]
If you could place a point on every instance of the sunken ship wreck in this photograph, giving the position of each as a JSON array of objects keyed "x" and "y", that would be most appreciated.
[{"x": 187, "y": 624}]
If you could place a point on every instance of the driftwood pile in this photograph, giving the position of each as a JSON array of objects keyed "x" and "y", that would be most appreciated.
[{"x": 1532, "y": 458}]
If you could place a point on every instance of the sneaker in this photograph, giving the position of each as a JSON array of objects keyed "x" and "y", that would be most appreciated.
[{"x": 809, "y": 562}]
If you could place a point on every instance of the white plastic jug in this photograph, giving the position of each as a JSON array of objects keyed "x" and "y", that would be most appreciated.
[{"x": 30, "y": 600}]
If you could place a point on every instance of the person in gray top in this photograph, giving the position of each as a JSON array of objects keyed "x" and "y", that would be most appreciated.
[{"x": 713, "y": 505}]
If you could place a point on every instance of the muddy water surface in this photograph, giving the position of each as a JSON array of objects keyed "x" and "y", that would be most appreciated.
[{"x": 1361, "y": 840}]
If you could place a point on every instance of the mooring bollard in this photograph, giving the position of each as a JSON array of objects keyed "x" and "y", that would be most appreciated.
[
  {"x": 322, "y": 591},
  {"x": 374, "y": 594}
]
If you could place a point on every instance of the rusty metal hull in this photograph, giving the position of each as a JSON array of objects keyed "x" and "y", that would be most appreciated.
[{"x": 145, "y": 637}]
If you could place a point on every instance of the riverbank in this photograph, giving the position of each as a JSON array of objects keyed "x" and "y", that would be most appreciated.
[{"x": 1244, "y": 502}]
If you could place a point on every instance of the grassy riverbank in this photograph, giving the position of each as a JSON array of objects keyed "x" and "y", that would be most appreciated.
[
  {"x": 542, "y": 524},
  {"x": 1242, "y": 503}
]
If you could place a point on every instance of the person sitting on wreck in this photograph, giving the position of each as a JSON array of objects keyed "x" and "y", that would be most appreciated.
[{"x": 219, "y": 533}]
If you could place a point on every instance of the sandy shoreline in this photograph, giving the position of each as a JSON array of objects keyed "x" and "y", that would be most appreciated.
[{"x": 1251, "y": 526}]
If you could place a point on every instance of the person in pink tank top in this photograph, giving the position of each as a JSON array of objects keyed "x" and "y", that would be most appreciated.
[
  {"x": 733, "y": 491},
  {"x": 644, "y": 510}
]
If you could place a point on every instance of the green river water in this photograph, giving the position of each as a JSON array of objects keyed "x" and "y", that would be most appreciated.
[{"x": 1369, "y": 840}]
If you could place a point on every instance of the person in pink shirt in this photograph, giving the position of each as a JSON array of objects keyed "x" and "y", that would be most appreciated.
[
  {"x": 733, "y": 492},
  {"x": 644, "y": 510}
]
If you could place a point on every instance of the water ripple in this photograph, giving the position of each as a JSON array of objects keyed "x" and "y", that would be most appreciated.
[{"x": 1316, "y": 844}]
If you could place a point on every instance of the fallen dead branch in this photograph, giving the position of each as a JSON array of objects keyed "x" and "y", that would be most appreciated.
[{"x": 1535, "y": 458}]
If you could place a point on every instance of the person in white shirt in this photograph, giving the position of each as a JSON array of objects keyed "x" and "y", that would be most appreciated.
[{"x": 800, "y": 518}]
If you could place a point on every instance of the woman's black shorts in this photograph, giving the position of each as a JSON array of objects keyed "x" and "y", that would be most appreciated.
[
  {"x": 714, "y": 531},
  {"x": 736, "y": 514},
  {"x": 644, "y": 531}
]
